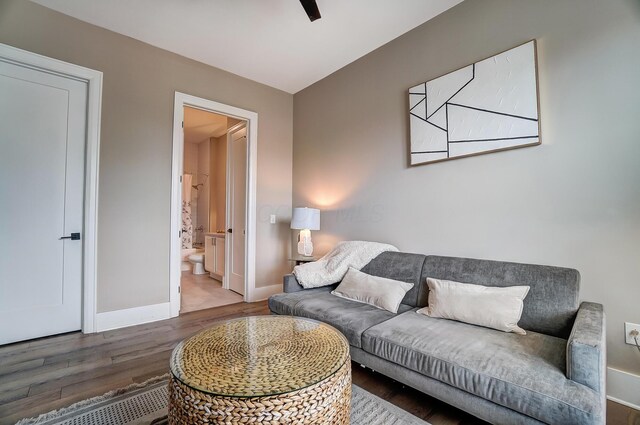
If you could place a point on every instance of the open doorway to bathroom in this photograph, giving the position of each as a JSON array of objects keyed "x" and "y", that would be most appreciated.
[
  {"x": 209, "y": 183},
  {"x": 238, "y": 268}
]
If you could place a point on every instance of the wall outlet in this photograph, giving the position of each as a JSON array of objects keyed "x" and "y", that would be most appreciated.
[
  {"x": 628, "y": 328},
  {"x": 272, "y": 219}
]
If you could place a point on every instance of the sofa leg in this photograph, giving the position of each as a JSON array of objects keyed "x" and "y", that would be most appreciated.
[{"x": 365, "y": 367}]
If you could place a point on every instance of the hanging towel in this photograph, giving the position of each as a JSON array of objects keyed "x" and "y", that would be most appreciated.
[{"x": 334, "y": 265}]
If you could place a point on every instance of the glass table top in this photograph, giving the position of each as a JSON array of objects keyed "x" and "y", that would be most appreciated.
[{"x": 259, "y": 356}]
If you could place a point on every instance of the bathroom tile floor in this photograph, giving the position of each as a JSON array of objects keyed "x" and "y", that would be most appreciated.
[{"x": 200, "y": 292}]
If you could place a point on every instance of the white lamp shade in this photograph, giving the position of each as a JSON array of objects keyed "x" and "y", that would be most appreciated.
[{"x": 306, "y": 218}]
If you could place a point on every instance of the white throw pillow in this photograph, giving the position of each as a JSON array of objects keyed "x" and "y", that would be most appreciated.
[
  {"x": 377, "y": 291},
  {"x": 488, "y": 306}
]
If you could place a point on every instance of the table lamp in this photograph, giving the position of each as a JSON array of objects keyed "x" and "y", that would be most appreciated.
[{"x": 305, "y": 220}]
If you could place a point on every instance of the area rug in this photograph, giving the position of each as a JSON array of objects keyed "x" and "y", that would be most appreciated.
[{"x": 146, "y": 404}]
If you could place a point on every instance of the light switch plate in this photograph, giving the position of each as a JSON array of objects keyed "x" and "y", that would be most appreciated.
[
  {"x": 272, "y": 219},
  {"x": 628, "y": 327}
]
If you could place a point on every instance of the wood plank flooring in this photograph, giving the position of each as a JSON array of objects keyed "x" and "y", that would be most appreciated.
[{"x": 45, "y": 374}]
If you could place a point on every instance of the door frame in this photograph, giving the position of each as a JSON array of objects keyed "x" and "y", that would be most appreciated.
[
  {"x": 93, "y": 79},
  {"x": 180, "y": 101}
]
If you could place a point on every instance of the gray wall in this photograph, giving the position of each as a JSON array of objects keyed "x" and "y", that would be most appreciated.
[
  {"x": 573, "y": 201},
  {"x": 135, "y": 154}
]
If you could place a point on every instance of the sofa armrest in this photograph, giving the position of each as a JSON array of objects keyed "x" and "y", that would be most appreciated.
[
  {"x": 290, "y": 284},
  {"x": 586, "y": 348}
]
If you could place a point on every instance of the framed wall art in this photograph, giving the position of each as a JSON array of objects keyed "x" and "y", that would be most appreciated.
[{"x": 488, "y": 106}]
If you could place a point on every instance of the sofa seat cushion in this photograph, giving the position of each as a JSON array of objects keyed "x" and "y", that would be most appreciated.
[
  {"x": 525, "y": 373},
  {"x": 285, "y": 303},
  {"x": 351, "y": 318}
]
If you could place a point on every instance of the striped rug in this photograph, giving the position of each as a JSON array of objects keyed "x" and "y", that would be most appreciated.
[{"x": 146, "y": 404}]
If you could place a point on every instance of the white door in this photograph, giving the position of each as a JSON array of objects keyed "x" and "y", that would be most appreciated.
[
  {"x": 42, "y": 143},
  {"x": 236, "y": 233}
]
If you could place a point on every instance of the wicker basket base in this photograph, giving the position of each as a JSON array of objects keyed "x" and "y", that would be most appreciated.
[{"x": 326, "y": 403}]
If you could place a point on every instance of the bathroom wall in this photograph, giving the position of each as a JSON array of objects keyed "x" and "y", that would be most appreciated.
[
  {"x": 221, "y": 183},
  {"x": 197, "y": 162},
  {"x": 202, "y": 195},
  {"x": 219, "y": 186},
  {"x": 190, "y": 166},
  {"x": 213, "y": 211},
  {"x": 217, "y": 209}
]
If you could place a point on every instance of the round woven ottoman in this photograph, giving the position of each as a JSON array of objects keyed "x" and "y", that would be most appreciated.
[{"x": 262, "y": 370}]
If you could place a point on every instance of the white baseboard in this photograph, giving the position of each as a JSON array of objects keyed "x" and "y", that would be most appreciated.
[
  {"x": 132, "y": 316},
  {"x": 623, "y": 387},
  {"x": 259, "y": 294}
]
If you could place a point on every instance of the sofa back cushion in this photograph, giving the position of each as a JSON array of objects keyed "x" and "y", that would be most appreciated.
[
  {"x": 404, "y": 267},
  {"x": 549, "y": 308}
]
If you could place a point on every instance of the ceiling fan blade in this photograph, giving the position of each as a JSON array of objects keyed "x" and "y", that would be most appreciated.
[{"x": 311, "y": 8}]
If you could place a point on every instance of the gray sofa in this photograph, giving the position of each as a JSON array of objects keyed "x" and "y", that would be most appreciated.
[{"x": 553, "y": 375}]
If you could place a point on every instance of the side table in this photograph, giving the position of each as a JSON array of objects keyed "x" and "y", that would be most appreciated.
[{"x": 302, "y": 259}]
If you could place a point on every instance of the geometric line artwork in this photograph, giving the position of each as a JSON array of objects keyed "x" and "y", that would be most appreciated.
[
  {"x": 419, "y": 89},
  {"x": 473, "y": 124},
  {"x": 429, "y": 138},
  {"x": 488, "y": 106},
  {"x": 441, "y": 90},
  {"x": 477, "y": 147},
  {"x": 419, "y": 109},
  {"x": 439, "y": 118},
  {"x": 414, "y": 99}
]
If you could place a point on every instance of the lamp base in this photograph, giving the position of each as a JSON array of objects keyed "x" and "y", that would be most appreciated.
[{"x": 305, "y": 246}]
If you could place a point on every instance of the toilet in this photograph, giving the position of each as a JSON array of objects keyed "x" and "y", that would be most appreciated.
[{"x": 197, "y": 261}]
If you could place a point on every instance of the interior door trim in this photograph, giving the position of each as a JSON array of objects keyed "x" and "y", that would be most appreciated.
[
  {"x": 93, "y": 79},
  {"x": 180, "y": 101}
]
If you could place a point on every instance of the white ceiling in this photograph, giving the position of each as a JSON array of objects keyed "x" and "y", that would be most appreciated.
[
  {"x": 201, "y": 125},
  {"x": 269, "y": 41}
]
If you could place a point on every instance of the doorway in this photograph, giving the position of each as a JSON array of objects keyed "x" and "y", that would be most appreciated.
[
  {"x": 213, "y": 205},
  {"x": 50, "y": 114},
  {"x": 208, "y": 142}
]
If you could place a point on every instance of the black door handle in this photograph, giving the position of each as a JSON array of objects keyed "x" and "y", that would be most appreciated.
[
  {"x": 73, "y": 237},
  {"x": 229, "y": 230}
]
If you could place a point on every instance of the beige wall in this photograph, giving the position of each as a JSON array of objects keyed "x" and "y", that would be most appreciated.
[
  {"x": 573, "y": 201},
  {"x": 135, "y": 154}
]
